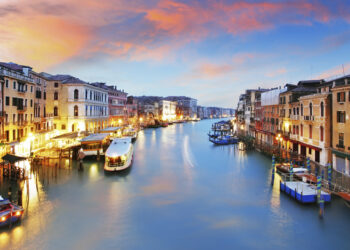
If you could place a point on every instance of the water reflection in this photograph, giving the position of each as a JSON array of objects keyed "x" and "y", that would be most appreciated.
[{"x": 181, "y": 192}]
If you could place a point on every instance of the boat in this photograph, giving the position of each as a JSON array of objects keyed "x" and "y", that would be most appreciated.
[
  {"x": 303, "y": 192},
  {"x": 222, "y": 134},
  {"x": 223, "y": 140},
  {"x": 346, "y": 198},
  {"x": 119, "y": 155},
  {"x": 9, "y": 212},
  {"x": 131, "y": 133}
]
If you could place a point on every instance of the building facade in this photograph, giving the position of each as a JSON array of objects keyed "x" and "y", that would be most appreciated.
[{"x": 341, "y": 124}]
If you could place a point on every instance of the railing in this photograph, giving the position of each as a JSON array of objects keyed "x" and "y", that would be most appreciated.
[
  {"x": 309, "y": 118},
  {"x": 294, "y": 117},
  {"x": 14, "y": 74}
]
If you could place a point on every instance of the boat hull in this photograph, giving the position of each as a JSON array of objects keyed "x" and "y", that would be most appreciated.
[
  {"x": 127, "y": 164},
  {"x": 303, "y": 192}
]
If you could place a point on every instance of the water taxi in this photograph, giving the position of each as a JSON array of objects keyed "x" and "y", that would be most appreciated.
[
  {"x": 119, "y": 155},
  {"x": 9, "y": 213},
  {"x": 303, "y": 192},
  {"x": 222, "y": 134},
  {"x": 131, "y": 133}
]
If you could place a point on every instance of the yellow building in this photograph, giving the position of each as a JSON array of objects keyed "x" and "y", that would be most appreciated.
[
  {"x": 314, "y": 138},
  {"x": 341, "y": 124},
  {"x": 18, "y": 91}
]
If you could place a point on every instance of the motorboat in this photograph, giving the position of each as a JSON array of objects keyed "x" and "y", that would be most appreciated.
[
  {"x": 9, "y": 212},
  {"x": 119, "y": 154},
  {"x": 132, "y": 133}
]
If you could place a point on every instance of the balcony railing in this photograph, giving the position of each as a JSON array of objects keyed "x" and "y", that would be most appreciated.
[
  {"x": 294, "y": 117},
  {"x": 14, "y": 74},
  {"x": 309, "y": 118}
]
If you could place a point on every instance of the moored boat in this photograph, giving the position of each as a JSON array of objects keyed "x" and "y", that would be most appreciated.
[
  {"x": 303, "y": 192},
  {"x": 9, "y": 212},
  {"x": 119, "y": 155}
]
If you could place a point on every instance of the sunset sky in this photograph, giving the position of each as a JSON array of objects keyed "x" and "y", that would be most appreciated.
[{"x": 210, "y": 50}]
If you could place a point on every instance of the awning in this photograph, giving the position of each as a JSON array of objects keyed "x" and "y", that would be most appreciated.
[
  {"x": 341, "y": 154},
  {"x": 13, "y": 158}
]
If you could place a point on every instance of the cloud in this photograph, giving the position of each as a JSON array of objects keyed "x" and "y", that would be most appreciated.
[
  {"x": 338, "y": 71},
  {"x": 140, "y": 30},
  {"x": 276, "y": 72}
]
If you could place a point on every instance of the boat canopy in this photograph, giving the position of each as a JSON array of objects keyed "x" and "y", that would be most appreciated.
[
  {"x": 13, "y": 158},
  {"x": 94, "y": 138},
  {"x": 118, "y": 147},
  {"x": 110, "y": 129}
]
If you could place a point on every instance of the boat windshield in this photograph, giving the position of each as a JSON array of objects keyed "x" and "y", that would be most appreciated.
[{"x": 5, "y": 205}]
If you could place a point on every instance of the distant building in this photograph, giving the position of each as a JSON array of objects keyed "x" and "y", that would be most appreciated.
[
  {"x": 187, "y": 106},
  {"x": 167, "y": 110}
]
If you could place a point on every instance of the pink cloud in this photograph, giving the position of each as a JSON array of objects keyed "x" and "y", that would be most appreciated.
[
  {"x": 139, "y": 30},
  {"x": 338, "y": 71}
]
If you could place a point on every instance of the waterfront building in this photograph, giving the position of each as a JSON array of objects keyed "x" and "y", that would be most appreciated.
[
  {"x": 341, "y": 124},
  {"x": 289, "y": 100},
  {"x": 187, "y": 106},
  {"x": 116, "y": 104},
  {"x": 202, "y": 112},
  {"x": 131, "y": 109},
  {"x": 270, "y": 116},
  {"x": 240, "y": 111},
  {"x": 18, "y": 94},
  {"x": 167, "y": 110},
  {"x": 77, "y": 105},
  {"x": 312, "y": 138},
  {"x": 249, "y": 114}
]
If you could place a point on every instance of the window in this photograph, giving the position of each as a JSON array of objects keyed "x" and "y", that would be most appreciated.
[
  {"x": 341, "y": 97},
  {"x": 14, "y": 134},
  {"x": 76, "y": 94},
  {"x": 76, "y": 113},
  {"x": 341, "y": 140},
  {"x": 322, "y": 109},
  {"x": 310, "y": 151},
  {"x": 31, "y": 103},
  {"x": 310, "y": 131},
  {"x": 301, "y": 109},
  {"x": 341, "y": 116},
  {"x": 44, "y": 95},
  {"x": 86, "y": 94},
  {"x": 55, "y": 95},
  {"x": 321, "y": 133},
  {"x": 63, "y": 127},
  {"x": 7, "y": 101},
  {"x": 55, "y": 111},
  {"x": 14, "y": 101},
  {"x": 31, "y": 89},
  {"x": 7, "y": 83},
  {"x": 301, "y": 130},
  {"x": 310, "y": 108},
  {"x": 56, "y": 84},
  {"x": 14, "y": 84}
]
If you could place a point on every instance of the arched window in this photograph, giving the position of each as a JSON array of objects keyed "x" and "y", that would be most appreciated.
[
  {"x": 76, "y": 113},
  {"x": 76, "y": 94},
  {"x": 310, "y": 107},
  {"x": 55, "y": 111},
  {"x": 55, "y": 96},
  {"x": 322, "y": 109}
]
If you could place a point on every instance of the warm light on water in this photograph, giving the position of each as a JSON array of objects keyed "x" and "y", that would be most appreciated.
[{"x": 182, "y": 192}]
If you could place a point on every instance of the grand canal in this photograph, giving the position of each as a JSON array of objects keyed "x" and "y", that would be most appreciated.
[{"x": 181, "y": 193}]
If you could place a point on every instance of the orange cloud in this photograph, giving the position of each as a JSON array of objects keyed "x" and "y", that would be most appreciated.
[
  {"x": 48, "y": 32},
  {"x": 276, "y": 72}
]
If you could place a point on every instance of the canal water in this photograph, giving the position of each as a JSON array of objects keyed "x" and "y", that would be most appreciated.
[{"x": 182, "y": 192}]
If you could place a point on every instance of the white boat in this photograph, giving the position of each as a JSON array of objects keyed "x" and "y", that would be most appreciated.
[{"x": 119, "y": 155}]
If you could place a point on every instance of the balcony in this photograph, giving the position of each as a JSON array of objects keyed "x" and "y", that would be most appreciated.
[
  {"x": 294, "y": 117},
  {"x": 309, "y": 118},
  {"x": 15, "y": 75},
  {"x": 22, "y": 123}
]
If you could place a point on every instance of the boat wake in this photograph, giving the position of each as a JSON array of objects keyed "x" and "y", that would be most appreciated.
[{"x": 187, "y": 154}]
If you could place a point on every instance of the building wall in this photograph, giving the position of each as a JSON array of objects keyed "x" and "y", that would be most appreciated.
[{"x": 341, "y": 153}]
